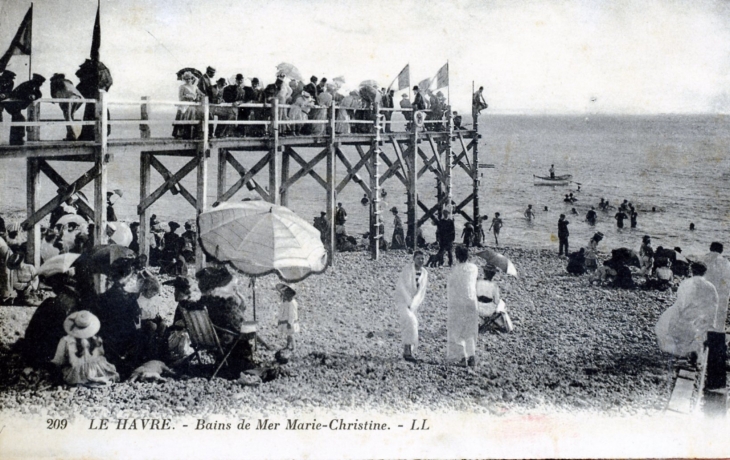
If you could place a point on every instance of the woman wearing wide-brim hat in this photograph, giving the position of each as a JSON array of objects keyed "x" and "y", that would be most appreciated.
[{"x": 80, "y": 354}]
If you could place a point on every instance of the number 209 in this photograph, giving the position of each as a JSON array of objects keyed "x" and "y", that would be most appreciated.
[{"x": 56, "y": 424}]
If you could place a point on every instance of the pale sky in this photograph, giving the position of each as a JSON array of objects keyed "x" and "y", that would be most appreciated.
[{"x": 531, "y": 56}]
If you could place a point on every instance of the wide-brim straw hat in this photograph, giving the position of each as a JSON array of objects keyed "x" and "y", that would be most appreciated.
[
  {"x": 285, "y": 289},
  {"x": 81, "y": 324}
]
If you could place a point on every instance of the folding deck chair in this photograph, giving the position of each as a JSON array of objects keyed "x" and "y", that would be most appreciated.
[{"x": 202, "y": 334}]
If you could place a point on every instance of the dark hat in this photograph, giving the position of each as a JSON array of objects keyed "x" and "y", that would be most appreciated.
[
  {"x": 312, "y": 78},
  {"x": 285, "y": 289},
  {"x": 15, "y": 260},
  {"x": 415, "y": 88},
  {"x": 562, "y": 216},
  {"x": 38, "y": 78},
  {"x": 8, "y": 74},
  {"x": 173, "y": 225},
  {"x": 180, "y": 283},
  {"x": 646, "y": 238},
  {"x": 239, "y": 76},
  {"x": 122, "y": 267},
  {"x": 109, "y": 193},
  {"x": 598, "y": 236},
  {"x": 189, "y": 224},
  {"x": 254, "y": 81},
  {"x": 58, "y": 76},
  {"x": 221, "y": 80},
  {"x": 210, "y": 69},
  {"x": 212, "y": 277},
  {"x": 394, "y": 210}
]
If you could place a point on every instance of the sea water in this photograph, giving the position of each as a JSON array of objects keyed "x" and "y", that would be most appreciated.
[{"x": 676, "y": 164}]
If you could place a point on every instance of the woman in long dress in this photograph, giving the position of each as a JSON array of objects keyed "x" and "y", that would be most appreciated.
[
  {"x": 188, "y": 92},
  {"x": 462, "y": 320},
  {"x": 324, "y": 101},
  {"x": 343, "y": 103},
  {"x": 299, "y": 110},
  {"x": 409, "y": 294}
]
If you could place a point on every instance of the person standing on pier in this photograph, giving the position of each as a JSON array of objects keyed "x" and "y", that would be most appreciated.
[
  {"x": 409, "y": 294},
  {"x": 311, "y": 87},
  {"x": 405, "y": 103},
  {"x": 418, "y": 102},
  {"x": 93, "y": 76},
  {"x": 207, "y": 87},
  {"x": 478, "y": 103},
  {"x": 7, "y": 82},
  {"x": 22, "y": 97},
  {"x": 387, "y": 103},
  {"x": 563, "y": 234},
  {"x": 61, "y": 88},
  {"x": 552, "y": 171}
]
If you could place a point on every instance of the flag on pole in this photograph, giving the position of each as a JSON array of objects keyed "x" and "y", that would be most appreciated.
[
  {"x": 21, "y": 44},
  {"x": 424, "y": 85},
  {"x": 442, "y": 77},
  {"x": 404, "y": 78},
  {"x": 96, "y": 39}
]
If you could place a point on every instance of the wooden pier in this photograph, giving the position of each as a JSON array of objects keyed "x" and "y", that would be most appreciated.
[{"x": 434, "y": 148}]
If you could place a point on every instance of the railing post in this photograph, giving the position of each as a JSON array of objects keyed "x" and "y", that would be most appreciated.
[
  {"x": 201, "y": 200},
  {"x": 144, "y": 129},
  {"x": 34, "y": 114},
  {"x": 274, "y": 186}
]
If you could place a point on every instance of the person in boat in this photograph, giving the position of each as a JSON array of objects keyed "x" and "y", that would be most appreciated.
[
  {"x": 529, "y": 213},
  {"x": 552, "y": 171},
  {"x": 591, "y": 216}
]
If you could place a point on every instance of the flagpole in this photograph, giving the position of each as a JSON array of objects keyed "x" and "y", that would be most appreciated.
[
  {"x": 30, "y": 55},
  {"x": 448, "y": 88}
]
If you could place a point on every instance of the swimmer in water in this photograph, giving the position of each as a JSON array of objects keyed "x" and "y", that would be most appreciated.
[
  {"x": 529, "y": 213},
  {"x": 692, "y": 227}
]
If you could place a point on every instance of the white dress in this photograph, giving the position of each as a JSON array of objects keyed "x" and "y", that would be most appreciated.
[
  {"x": 462, "y": 320},
  {"x": 288, "y": 320},
  {"x": 718, "y": 273},
  {"x": 409, "y": 294},
  {"x": 683, "y": 327}
]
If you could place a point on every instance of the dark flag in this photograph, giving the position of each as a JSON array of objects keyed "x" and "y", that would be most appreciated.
[
  {"x": 96, "y": 39},
  {"x": 442, "y": 77},
  {"x": 21, "y": 44}
]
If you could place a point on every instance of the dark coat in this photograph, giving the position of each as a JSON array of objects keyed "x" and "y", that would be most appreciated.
[
  {"x": 45, "y": 328},
  {"x": 419, "y": 103},
  {"x": 445, "y": 231},
  {"x": 23, "y": 95},
  {"x": 563, "y": 229}
]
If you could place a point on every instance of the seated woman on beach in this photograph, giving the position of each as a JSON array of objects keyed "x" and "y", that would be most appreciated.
[{"x": 592, "y": 253}]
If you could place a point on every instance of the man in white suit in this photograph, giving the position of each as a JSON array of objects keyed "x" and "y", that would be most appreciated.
[{"x": 409, "y": 294}]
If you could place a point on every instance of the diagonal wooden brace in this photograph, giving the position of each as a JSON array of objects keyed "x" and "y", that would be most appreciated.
[
  {"x": 169, "y": 183},
  {"x": 436, "y": 154},
  {"x": 78, "y": 184},
  {"x": 61, "y": 183},
  {"x": 352, "y": 171},
  {"x": 461, "y": 205},
  {"x": 427, "y": 162},
  {"x": 430, "y": 213},
  {"x": 392, "y": 170},
  {"x": 246, "y": 176},
  {"x": 176, "y": 187},
  {"x": 307, "y": 168}
]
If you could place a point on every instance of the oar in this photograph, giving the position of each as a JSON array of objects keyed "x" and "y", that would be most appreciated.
[{"x": 577, "y": 183}]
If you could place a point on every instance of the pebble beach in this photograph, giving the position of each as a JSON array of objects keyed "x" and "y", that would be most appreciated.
[{"x": 574, "y": 348}]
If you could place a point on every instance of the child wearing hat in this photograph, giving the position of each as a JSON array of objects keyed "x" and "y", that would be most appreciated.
[
  {"x": 80, "y": 354},
  {"x": 288, "y": 323}
]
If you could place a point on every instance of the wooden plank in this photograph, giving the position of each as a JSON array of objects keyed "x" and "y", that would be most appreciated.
[
  {"x": 412, "y": 212},
  {"x": 201, "y": 198},
  {"x": 222, "y": 173},
  {"x": 176, "y": 187},
  {"x": 274, "y": 155},
  {"x": 363, "y": 154},
  {"x": 427, "y": 162},
  {"x": 391, "y": 171},
  {"x": 681, "y": 398},
  {"x": 401, "y": 159},
  {"x": 33, "y": 184},
  {"x": 144, "y": 129},
  {"x": 60, "y": 182},
  {"x": 436, "y": 153},
  {"x": 145, "y": 173},
  {"x": 284, "y": 176}
]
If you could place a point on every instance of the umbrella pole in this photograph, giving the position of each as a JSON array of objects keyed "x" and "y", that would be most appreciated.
[{"x": 253, "y": 285}]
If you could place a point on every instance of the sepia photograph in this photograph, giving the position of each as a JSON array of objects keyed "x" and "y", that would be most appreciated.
[{"x": 364, "y": 229}]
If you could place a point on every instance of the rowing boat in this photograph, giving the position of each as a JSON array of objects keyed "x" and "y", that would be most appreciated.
[{"x": 557, "y": 180}]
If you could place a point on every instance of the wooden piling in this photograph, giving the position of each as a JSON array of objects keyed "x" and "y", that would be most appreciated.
[
  {"x": 101, "y": 160},
  {"x": 476, "y": 179},
  {"x": 144, "y": 213},
  {"x": 274, "y": 164},
  {"x": 144, "y": 129},
  {"x": 201, "y": 199}
]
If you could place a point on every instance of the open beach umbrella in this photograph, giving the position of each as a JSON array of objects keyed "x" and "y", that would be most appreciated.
[
  {"x": 57, "y": 264},
  {"x": 258, "y": 238},
  {"x": 198, "y": 74},
  {"x": 119, "y": 192},
  {"x": 290, "y": 71},
  {"x": 370, "y": 83},
  {"x": 499, "y": 261}
]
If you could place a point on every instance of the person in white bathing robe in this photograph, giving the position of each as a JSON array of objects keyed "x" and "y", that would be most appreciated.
[
  {"x": 718, "y": 273},
  {"x": 462, "y": 319},
  {"x": 409, "y": 294}
]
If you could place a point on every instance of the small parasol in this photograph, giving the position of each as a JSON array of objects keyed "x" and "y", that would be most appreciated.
[
  {"x": 499, "y": 261},
  {"x": 197, "y": 73},
  {"x": 290, "y": 71}
]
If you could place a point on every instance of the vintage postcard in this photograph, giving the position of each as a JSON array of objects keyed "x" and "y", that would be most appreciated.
[{"x": 340, "y": 229}]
